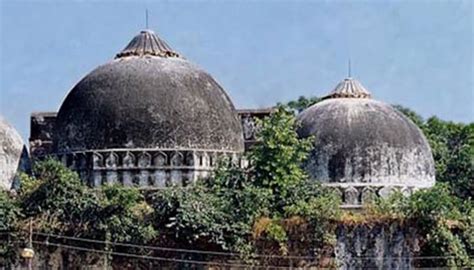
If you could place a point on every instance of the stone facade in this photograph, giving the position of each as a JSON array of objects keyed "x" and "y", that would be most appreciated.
[
  {"x": 41, "y": 133},
  {"x": 375, "y": 246},
  {"x": 153, "y": 168},
  {"x": 42, "y": 128},
  {"x": 248, "y": 118}
]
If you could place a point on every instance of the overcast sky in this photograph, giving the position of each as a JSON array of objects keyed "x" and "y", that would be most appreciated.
[{"x": 415, "y": 53}]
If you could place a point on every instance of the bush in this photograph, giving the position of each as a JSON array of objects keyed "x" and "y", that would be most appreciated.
[
  {"x": 124, "y": 216},
  {"x": 59, "y": 203},
  {"x": 275, "y": 161},
  {"x": 452, "y": 145},
  {"x": 9, "y": 211},
  {"x": 443, "y": 222},
  {"x": 227, "y": 210},
  {"x": 10, "y": 215},
  {"x": 57, "y": 199}
]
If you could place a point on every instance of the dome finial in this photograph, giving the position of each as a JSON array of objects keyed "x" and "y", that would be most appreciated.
[
  {"x": 349, "y": 68},
  {"x": 147, "y": 43},
  {"x": 349, "y": 88},
  {"x": 146, "y": 18}
]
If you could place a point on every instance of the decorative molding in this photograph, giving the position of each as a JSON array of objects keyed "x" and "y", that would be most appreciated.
[
  {"x": 368, "y": 194},
  {"x": 146, "y": 168},
  {"x": 355, "y": 195},
  {"x": 128, "y": 161},
  {"x": 351, "y": 196}
]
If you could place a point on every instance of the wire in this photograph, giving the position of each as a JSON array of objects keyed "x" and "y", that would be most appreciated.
[
  {"x": 173, "y": 249},
  {"x": 246, "y": 266},
  {"x": 224, "y": 253},
  {"x": 151, "y": 257}
]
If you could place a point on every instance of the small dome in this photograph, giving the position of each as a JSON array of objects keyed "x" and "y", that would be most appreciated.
[
  {"x": 362, "y": 142},
  {"x": 349, "y": 88},
  {"x": 147, "y": 97},
  {"x": 147, "y": 43},
  {"x": 13, "y": 154}
]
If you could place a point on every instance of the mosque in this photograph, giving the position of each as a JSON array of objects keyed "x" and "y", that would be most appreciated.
[{"x": 151, "y": 118}]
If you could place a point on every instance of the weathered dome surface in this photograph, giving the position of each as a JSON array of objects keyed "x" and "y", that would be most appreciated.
[
  {"x": 148, "y": 97},
  {"x": 358, "y": 140},
  {"x": 13, "y": 154}
]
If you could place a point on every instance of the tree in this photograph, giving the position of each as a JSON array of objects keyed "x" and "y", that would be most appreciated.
[
  {"x": 302, "y": 103},
  {"x": 215, "y": 213},
  {"x": 276, "y": 165},
  {"x": 452, "y": 145},
  {"x": 443, "y": 221},
  {"x": 276, "y": 159},
  {"x": 60, "y": 203},
  {"x": 124, "y": 216},
  {"x": 453, "y": 150},
  {"x": 9, "y": 211},
  {"x": 57, "y": 199},
  {"x": 230, "y": 210},
  {"x": 412, "y": 115},
  {"x": 10, "y": 214}
]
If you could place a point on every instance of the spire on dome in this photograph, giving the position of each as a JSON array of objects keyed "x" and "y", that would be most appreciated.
[
  {"x": 147, "y": 43},
  {"x": 349, "y": 88}
]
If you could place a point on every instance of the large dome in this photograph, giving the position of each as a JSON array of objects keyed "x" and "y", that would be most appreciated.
[
  {"x": 147, "y": 97},
  {"x": 361, "y": 142},
  {"x": 13, "y": 154}
]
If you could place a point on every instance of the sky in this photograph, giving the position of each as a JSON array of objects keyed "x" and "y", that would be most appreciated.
[{"x": 415, "y": 53}]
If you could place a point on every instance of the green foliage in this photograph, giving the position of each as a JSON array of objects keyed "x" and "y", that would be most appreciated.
[
  {"x": 467, "y": 232},
  {"x": 319, "y": 206},
  {"x": 216, "y": 213},
  {"x": 57, "y": 199},
  {"x": 117, "y": 195},
  {"x": 124, "y": 215},
  {"x": 9, "y": 211},
  {"x": 316, "y": 202},
  {"x": 434, "y": 211},
  {"x": 9, "y": 216},
  {"x": 245, "y": 200},
  {"x": 277, "y": 157},
  {"x": 430, "y": 205},
  {"x": 60, "y": 203},
  {"x": 302, "y": 103},
  {"x": 412, "y": 115},
  {"x": 192, "y": 215},
  {"x": 275, "y": 165},
  {"x": 237, "y": 207},
  {"x": 276, "y": 232},
  {"x": 452, "y": 145},
  {"x": 271, "y": 229},
  {"x": 442, "y": 220},
  {"x": 453, "y": 150}
]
